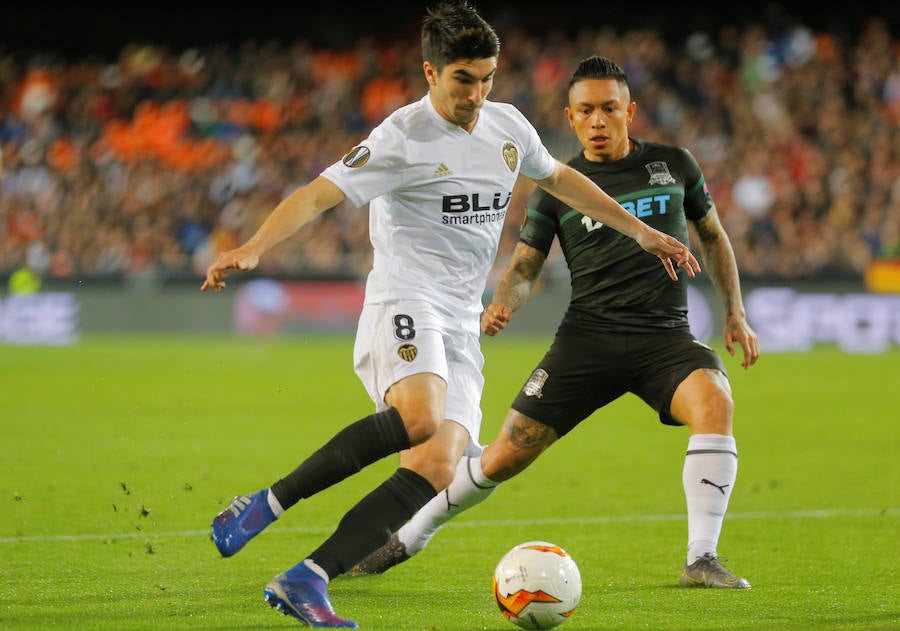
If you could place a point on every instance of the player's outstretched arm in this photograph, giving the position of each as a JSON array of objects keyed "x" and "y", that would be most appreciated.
[
  {"x": 513, "y": 289},
  {"x": 291, "y": 214},
  {"x": 718, "y": 258},
  {"x": 577, "y": 191}
]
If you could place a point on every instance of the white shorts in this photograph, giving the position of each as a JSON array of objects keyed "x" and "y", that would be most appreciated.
[{"x": 406, "y": 337}]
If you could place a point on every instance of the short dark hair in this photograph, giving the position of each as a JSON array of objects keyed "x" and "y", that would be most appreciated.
[
  {"x": 598, "y": 67},
  {"x": 454, "y": 30}
]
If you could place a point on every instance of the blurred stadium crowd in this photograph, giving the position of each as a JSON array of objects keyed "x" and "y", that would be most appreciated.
[{"x": 153, "y": 162}]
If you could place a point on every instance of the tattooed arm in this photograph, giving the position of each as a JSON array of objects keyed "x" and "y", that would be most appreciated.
[
  {"x": 514, "y": 288},
  {"x": 720, "y": 264}
]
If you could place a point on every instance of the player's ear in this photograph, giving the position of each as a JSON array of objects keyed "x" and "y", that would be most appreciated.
[
  {"x": 632, "y": 108},
  {"x": 431, "y": 73}
]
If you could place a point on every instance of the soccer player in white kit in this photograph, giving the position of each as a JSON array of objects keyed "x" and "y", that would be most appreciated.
[{"x": 438, "y": 175}]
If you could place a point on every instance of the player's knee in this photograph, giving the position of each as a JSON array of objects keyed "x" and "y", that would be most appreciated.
[
  {"x": 438, "y": 467},
  {"x": 421, "y": 424},
  {"x": 722, "y": 407},
  {"x": 703, "y": 402},
  {"x": 714, "y": 416},
  {"x": 421, "y": 428},
  {"x": 721, "y": 402}
]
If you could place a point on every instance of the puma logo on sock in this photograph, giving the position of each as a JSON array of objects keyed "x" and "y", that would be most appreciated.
[{"x": 721, "y": 488}]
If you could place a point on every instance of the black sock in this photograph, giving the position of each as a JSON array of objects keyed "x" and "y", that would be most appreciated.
[
  {"x": 357, "y": 445},
  {"x": 369, "y": 525}
]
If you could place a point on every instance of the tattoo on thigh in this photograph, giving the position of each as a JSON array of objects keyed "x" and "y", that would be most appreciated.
[{"x": 525, "y": 433}]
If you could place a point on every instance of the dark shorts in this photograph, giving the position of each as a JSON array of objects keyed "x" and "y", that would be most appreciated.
[{"x": 584, "y": 370}]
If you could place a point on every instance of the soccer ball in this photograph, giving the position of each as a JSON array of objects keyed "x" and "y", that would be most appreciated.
[{"x": 537, "y": 585}]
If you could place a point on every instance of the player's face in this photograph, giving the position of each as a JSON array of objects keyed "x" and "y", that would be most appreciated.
[
  {"x": 459, "y": 89},
  {"x": 600, "y": 111}
]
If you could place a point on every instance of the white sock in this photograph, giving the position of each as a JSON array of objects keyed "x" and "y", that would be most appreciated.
[
  {"x": 468, "y": 488},
  {"x": 274, "y": 504},
  {"x": 710, "y": 469}
]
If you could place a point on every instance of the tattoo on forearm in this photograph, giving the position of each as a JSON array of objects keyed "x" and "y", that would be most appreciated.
[
  {"x": 515, "y": 286},
  {"x": 719, "y": 262}
]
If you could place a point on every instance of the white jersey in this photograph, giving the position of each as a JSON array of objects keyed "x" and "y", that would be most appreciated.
[{"x": 439, "y": 196}]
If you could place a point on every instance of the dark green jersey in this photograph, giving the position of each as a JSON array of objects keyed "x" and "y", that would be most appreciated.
[{"x": 615, "y": 283}]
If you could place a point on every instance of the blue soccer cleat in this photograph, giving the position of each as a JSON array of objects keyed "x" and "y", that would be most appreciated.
[
  {"x": 303, "y": 594},
  {"x": 245, "y": 517}
]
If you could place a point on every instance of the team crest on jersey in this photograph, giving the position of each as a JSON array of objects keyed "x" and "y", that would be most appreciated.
[
  {"x": 659, "y": 173},
  {"x": 356, "y": 157},
  {"x": 408, "y": 352},
  {"x": 510, "y": 155},
  {"x": 534, "y": 387}
]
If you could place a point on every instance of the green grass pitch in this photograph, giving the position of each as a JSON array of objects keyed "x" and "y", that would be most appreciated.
[{"x": 116, "y": 454}]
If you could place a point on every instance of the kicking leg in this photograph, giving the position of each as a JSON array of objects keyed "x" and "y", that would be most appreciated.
[
  {"x": 415, "y": 412},
  {"x": 351, "y": 449}
]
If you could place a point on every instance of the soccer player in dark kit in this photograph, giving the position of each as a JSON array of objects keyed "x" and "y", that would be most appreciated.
[{"x": 625, "y": 330}]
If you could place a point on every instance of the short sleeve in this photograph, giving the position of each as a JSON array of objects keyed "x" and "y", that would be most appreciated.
[
  {"x": 697, "y": 198},
  {"x": 372, "y": 168},
  {"x": 540, "y": 224}
]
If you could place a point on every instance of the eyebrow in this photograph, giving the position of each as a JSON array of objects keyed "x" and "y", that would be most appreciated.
[
  {"x": 463, "y": 74},
  {"x": 592, "y": 104}
]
